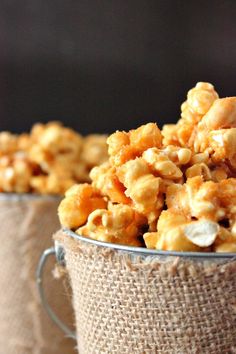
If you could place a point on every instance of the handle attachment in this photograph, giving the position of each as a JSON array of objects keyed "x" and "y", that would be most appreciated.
[{"x": 59, "y": 253}]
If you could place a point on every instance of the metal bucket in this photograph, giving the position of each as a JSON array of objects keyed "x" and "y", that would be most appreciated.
[
  {"x": 26, "y": 225},
  {"x": 136, "y": 300}
]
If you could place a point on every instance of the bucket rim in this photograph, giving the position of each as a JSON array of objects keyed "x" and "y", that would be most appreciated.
[
  {"x": 146, "y": 251},
  {"x": 23, "y": 196}
]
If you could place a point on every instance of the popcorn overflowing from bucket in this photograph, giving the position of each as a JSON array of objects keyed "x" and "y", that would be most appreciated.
[{"x": 172, "y": 189}]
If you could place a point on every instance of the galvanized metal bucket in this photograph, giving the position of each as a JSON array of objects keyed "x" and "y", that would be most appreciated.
[{"x": 137, "y": 300}]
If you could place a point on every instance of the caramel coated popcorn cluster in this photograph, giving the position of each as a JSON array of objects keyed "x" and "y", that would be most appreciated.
[
  {"x": 172, "y": 189},
  {"x": 49, "y": 160}
]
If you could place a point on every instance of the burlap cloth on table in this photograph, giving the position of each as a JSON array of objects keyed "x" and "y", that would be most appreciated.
[
  {"x": 134, "y": 305},
  {"x": 26, "y": 226}
]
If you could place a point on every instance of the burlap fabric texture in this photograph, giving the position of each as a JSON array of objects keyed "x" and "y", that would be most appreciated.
[
  {"x": 26, "y": 226},
  {"x": 141, "y": 305}
]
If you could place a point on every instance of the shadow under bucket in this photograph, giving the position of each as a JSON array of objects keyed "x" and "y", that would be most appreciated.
[
  {"x": 26, "y": 225},
  {"x": 135, "y": 300}
]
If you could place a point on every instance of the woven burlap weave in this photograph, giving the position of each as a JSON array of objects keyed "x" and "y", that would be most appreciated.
[
  {"x": 26, "y": 226},
  {"x": 142, "y": 305}
]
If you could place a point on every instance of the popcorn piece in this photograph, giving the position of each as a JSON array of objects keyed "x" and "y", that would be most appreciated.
[
  {"x": 178, "y": 134},
  {"x": 57, "y": 139},
  {"x": 202, "y": 233},
  {"x": 233, "y": 228},
  {"x": 126, "y": 153},
  {"x": 170, "y": 135},
  {"x": 8, "y": 143},
  {"x": 55, "y": 147},
  {"x": 98, "y": 175},
  {"x": 199, "y": 169},
  {"x": 178, "y": 155},
  {"x": 170, "y": 235},
  {"x": 119, "y": 148},
  {"x": 104, "y": 179},
  {"x": 225, "y": 236},
  {"x": 116, "y": 141},
  {"x": 24, "y": 142},
  {"x": 15, "y": 174},
  {"x": 119, "y": 224},
  {"x": 226, "y": 241},
  {"x": 219, "y": 173},
  {"x": 195, "y": 198},
  {"x": 199, "y": 101},
  {"x": 202, "y": 157},
  {"x": 208, "y": 200},
  {"x": 142, "y": 187},
  {"x": 184, "y": 156},
  {"x": 177, "y": 198},
  {"x": 227, "y": 197},
  {"x": 175, "y": 240},
  {"x": 226, "y": 247},
  {"x": 221, "y": 115},
  {"x": 161, "y": 164},
  {"x": 146, "y": 198},
  {"x": 94, "y": 150},
  {"x": 123, "y": 146},
  {"x": 145, "y": 137},
  {"x": 129, "y": 172},
  {"x": 61, "y": 151},
  {"x": 223, "y": 144},
  {"x": 169, "y": 219},
  {"x": 150, "y": 239},
  {"x": 79, "y": 202}
]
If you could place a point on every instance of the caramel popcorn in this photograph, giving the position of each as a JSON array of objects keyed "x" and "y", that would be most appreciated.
[
  {"x": 142, "y": 187},
  {"x": 199, "y": 101},
  {"x": 123, "y": 146},
  {"x": 170, "y": 235},
  {"x": 48, "y": 160},
  {"x": 8, "y": 143},
  {"x": 222, "y": 115},
  {"x": 172, "y": 189},
  {"x": 104, "y": 178},
  {"x": 118, "y": 224},
  {"x": 94, "y": 150},
  {"x": 15, "y": 173},
  {"x": 161, "y": 164},
  {"x": 79, "y": 202},
  {"x": 199, "y": 199}
]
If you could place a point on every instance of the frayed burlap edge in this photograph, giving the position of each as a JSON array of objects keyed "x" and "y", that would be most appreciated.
[{"x": 167, "y": 265}]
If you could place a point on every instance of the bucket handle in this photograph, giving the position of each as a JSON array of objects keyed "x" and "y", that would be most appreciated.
[{"x": 58, "y": 253}]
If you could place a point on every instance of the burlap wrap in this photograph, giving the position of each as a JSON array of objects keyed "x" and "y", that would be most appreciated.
[
  {"x": 142, "y": 305},
  {"x": 26, "y": 226}
]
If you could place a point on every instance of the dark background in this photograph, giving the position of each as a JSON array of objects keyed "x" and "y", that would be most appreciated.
[{"x": 105, "y": 65}]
